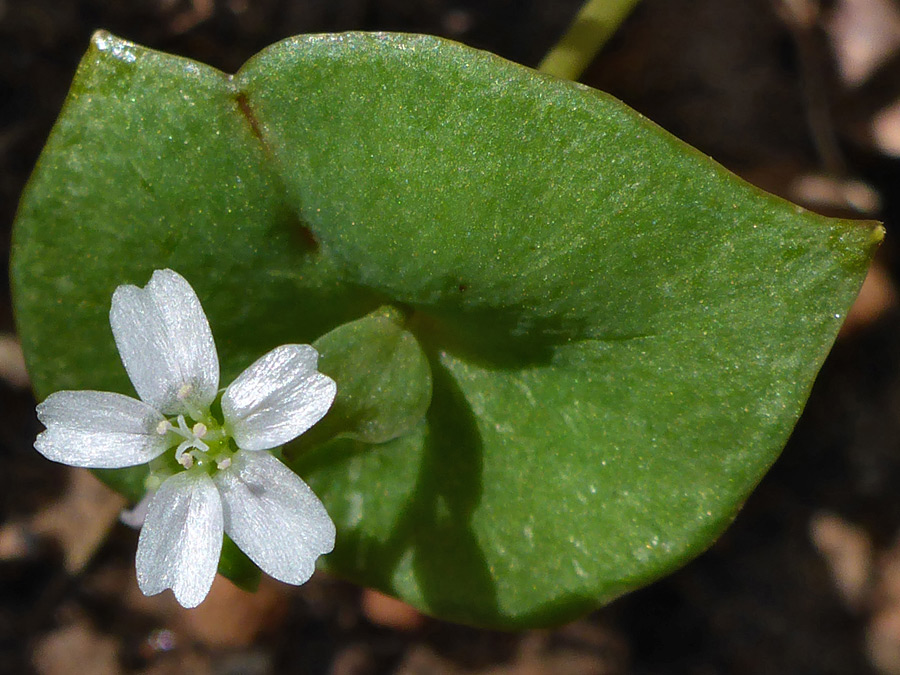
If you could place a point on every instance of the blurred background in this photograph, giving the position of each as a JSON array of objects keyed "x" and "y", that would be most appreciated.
[{"x": 801, "y": 97}]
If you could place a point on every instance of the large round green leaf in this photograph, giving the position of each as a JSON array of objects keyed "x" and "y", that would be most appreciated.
[{"x": 619, "y": 334}]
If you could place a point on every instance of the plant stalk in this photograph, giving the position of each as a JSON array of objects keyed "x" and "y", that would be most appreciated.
[{"x": 594, "y": 24}]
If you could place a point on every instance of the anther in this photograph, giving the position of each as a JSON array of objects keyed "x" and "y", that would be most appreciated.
[
  {"x": 223, "y": 463},
  {"x": 163, "y": 427},
  {"x": 182, "y": 456},
  {"x": 184, "y": 391},
  {"x": 199, "y": 430}
]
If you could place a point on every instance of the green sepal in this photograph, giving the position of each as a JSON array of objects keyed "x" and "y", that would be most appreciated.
[{"x": 383, "y": 376}]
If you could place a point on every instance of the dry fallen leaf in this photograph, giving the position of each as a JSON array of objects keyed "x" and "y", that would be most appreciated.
[
  {"x": 847, "y": 551},
  {"x": 886, "y": 129},
  {"x": 81, "y": 519},
  {"x": 877, "y": 295},
  {"x": 864, "y": 33},
  {"x": 77, "y": 649},
  {"x": 231, "y": 617},
  {"x": 12, "y": 362},
  {"x": 389, "y": 612}
]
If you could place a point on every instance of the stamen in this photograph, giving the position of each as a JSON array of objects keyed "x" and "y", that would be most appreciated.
[
  {"x": 183, "y": 427},
  {"x": 183, "y": 457},
  {"x": 186, "y": 453},
  {"x": 163, "y": 427}
]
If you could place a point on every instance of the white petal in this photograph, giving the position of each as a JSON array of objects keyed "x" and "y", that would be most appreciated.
[
  {"x": 274, "y": 517},
  {"x": 181, "y": 540},
  {"x": 98, "y": 430},
  {"x": 135, "y": 517},
  {"x": 165, "y": 343},
  {"x": 277, "y": 398}
]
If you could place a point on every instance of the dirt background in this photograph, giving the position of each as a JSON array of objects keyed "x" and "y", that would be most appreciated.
[{"x": 799, "y": 96}]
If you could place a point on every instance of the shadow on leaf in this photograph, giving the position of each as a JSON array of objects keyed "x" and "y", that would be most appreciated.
[{"x": 433, "y": 536}]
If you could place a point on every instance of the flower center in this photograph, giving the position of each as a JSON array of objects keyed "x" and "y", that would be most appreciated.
[{"x": 203, "y": 444}]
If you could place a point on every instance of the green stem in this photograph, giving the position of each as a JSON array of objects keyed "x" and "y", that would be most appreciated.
[{"x": 592, "y": 27}]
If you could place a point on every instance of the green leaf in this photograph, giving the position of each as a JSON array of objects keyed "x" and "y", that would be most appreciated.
[
  {"x": 385, "y": 380},
  {"x": 620, "y": 333},
  {"x": 235, "y": 565}
]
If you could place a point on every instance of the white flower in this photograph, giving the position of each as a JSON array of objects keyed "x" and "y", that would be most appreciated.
[{"x": 213, "y": 475}]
